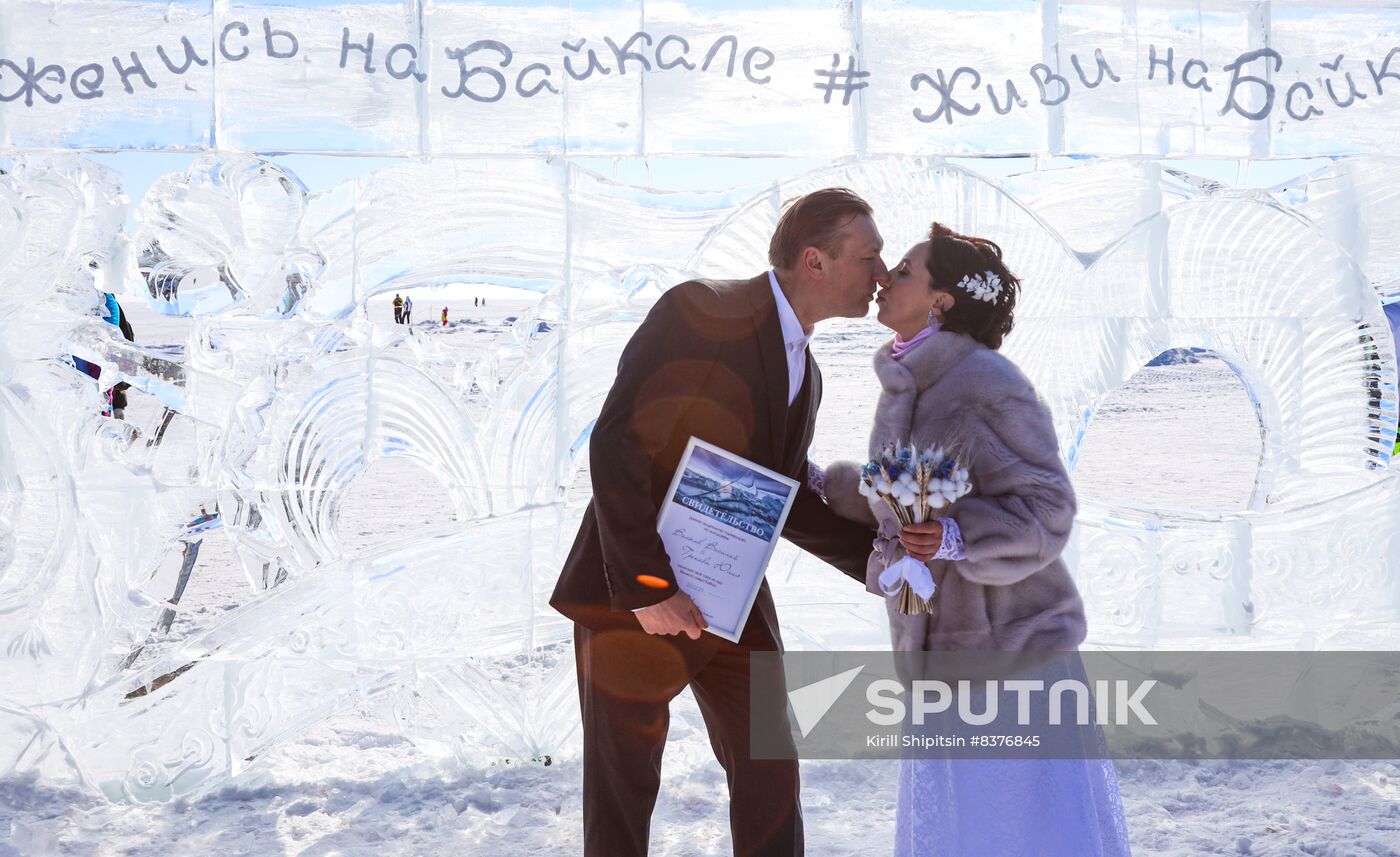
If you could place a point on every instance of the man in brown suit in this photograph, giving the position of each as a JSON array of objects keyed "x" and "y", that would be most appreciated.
[{"x": 726, "y": 362}]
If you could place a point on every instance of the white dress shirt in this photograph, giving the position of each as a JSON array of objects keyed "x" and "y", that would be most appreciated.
[{"x": 795, "y": 339}]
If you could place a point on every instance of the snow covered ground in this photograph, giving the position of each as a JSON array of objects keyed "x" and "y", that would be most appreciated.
[{"x": 354, "y": 786}]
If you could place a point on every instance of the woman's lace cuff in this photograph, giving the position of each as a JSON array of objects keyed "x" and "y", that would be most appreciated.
[
  {"x": 952, "y": 546},
  {"x": 816, "y": 479}
]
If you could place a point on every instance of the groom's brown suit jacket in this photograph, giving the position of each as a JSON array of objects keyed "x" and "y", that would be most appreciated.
[{"x": 709, "y": 361}]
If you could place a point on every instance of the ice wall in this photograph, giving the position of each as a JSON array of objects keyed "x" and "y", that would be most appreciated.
[
  {"x": 284, "y": 392},
  {"x": 447, "y": 77}
]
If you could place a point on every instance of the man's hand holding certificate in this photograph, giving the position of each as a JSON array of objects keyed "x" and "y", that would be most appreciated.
[
  {"x": 720, "y": 523},
  {"x": 676, "y": 615}
]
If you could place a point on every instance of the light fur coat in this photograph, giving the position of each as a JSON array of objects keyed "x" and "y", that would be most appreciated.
[{"x": 1012, "y": 592}]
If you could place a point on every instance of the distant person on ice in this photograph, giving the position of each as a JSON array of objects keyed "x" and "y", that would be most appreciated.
[
  {"x": 398, "y": 310},
  {"x": 444, "y": 316},
  {"x": 110, "y": 312},
  {"x": 408, "y": 310},
  {"x": 116, "y": 396}
]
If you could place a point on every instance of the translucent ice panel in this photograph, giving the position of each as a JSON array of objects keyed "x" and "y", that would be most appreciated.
[
  {"x": 107, "y": 73},
  {"x": 1223, "y": 78},
  {"x": 287, "y": 464},
  {"x": 1173, "y": 83},
  {"x": 523, "y": 223},
  {"x": 1317, "y": 577},
  {"x": 305, "y": 651},
  {"x": 943, "y": 78},
  {"x": 482, "y": 93},
  {"x": 1340, "y": 68},
  {"x": 1088, "y": 204},
  {"x": 350, "y": 94},
  {"x": 603, "y": 111},
  {"x": 1148, "y": 577},
  {"x": 492, "y": 221},
  {"x": 773, "y": 79},
  {"x": 225, "y": 235},
  {"x": 1358, "y": 592},
  {"x": 1356, "y": 203},
  {"x": 70, "y": 549},
  {"x": 606, "y": 217}
]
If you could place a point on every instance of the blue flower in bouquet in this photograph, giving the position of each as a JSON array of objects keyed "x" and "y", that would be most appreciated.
[{"x": 916, "y": 485}]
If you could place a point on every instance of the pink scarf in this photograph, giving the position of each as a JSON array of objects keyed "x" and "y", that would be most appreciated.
[{"x": 901, "y": 347}]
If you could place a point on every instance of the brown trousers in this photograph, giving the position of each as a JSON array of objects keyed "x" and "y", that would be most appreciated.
[{"x": 627, "y": 679}]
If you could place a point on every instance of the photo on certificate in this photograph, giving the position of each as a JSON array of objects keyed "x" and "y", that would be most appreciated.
[{"x": 720, "y": 523}]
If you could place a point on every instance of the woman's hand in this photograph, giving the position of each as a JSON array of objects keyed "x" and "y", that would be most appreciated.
[{"x": 922, "y": 541}]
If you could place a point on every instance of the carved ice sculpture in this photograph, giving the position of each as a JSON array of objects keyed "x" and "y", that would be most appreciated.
[{"x": 284, "y": 392}]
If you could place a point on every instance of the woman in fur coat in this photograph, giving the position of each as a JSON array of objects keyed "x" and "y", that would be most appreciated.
[{"x": 994, "y": 554}]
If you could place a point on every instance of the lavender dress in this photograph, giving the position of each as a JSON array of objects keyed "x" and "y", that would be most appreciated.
[{"x": 1012, "y": 807}]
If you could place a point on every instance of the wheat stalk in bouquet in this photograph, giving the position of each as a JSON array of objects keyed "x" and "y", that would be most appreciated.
[{"x": 916, "y": 486}]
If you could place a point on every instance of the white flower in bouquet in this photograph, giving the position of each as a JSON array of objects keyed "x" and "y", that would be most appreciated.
[{"x": 915, "y": 485}]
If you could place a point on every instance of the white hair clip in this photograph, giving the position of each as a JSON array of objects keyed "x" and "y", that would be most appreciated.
[{"x": 983, "y": 287}]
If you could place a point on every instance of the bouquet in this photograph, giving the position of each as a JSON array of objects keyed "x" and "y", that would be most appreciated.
[{"x": 916, "y": 485}]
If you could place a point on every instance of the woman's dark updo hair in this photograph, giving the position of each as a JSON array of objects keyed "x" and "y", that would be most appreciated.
[{"x": 952, "y": 256}]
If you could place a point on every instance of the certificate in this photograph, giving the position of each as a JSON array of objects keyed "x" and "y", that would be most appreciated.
[{"x": 720, "y": 523}]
